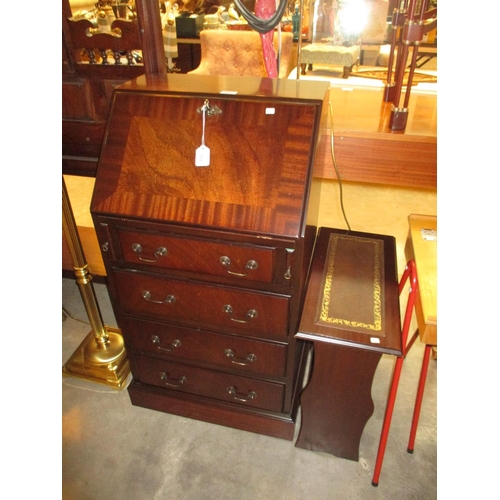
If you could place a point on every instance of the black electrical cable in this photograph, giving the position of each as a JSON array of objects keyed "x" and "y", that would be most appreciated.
[
  {"x": 332, "y": 151},
  {"x": 262, "y": 25}
]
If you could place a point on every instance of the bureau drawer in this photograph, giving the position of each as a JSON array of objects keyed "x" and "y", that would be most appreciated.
[
  {"x": 211, "y": 384},
  {"x": 198, "y": 255},
  {"x": 226, "y": 351},
  {"x": 203, "y": 305}
]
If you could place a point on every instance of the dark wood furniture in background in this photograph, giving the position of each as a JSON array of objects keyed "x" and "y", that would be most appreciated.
[
  {"x": 87, "y": 89},
  {"x": 189, "y": 50},
  {"x": 206, "y": 265}
]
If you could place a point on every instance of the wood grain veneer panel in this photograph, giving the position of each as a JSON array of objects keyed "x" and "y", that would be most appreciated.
[
  {"x": 367, "y": 150},
  {"x": 261, "y": 154},
  {"x": 378, "y": 160}
]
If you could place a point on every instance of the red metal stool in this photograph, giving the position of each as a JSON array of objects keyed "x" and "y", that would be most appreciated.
[{"x": 410, "y": 273}]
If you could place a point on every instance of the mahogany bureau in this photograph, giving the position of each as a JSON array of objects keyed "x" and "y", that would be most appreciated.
[{"x": 207, "y": 255}]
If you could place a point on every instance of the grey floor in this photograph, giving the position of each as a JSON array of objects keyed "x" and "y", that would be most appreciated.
[{"x": 113, "y": 450}]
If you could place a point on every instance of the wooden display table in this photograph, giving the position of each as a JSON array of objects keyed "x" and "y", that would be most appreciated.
[
  {"x": 367, "y": 150},
  {"x": 351, "y": 314},
  {"x": 421, "y": 246},
  {"x": 80, "y": 193}
]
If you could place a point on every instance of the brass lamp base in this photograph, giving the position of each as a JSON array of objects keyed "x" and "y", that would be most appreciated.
[{"x": 104, "y": 365}]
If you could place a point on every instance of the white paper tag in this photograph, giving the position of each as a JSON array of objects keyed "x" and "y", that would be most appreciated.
[
  {"x": 202, "y": 157},
  {"x": 428, "y": 234}
]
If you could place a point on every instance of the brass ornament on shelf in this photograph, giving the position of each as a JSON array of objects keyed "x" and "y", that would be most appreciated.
[{"x": 101, "y": 357}]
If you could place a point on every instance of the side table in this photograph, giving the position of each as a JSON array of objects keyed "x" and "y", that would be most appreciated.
[
  {"x": 351, "y": 314},
  {"x": 421, "y": 246}
]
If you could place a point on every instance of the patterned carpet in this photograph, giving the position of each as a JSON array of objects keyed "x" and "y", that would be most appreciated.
[
  {"x": 425, "y": 81},
  {"x": 381, "y": 74}
]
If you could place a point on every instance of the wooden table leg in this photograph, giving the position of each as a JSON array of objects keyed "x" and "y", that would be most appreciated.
[
  {"x": 347, "y": 71},
  {"x": 337, "y": 402}
]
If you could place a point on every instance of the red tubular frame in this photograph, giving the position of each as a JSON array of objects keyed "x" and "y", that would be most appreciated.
[
  {"x": 418, "y": 400},
  {"x": 409, "y": 273}
]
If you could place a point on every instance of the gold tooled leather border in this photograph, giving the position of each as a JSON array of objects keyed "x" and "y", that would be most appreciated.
[{"x": 377, "y": 286}]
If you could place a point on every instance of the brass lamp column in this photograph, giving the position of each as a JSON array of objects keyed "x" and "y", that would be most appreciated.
[{"x": 101, "y": 357}]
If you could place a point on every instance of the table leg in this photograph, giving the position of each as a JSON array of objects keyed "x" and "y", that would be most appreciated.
[
  {"x": 337, "y": 402},
  {"x": 418, "y": 400}
]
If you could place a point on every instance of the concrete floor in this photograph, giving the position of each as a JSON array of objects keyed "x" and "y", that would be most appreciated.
[{"x": 113, "y": 450}]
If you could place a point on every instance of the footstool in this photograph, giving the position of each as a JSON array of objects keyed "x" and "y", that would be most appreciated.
[{"x": 322, "y": 53}]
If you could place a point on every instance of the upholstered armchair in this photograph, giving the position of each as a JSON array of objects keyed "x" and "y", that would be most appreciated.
[{"x": 239, "y": 53}]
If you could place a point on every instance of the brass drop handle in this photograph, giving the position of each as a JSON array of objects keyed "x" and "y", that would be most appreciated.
[
  {"x": 251, "y": 314},
  {"x": 159, "y": 252},
  {"x": 251, "y": 265},
  {"x": 241, "y": 397},
  {"x": 173, "y": 345},
  {"x": 288, "y": 274},
  {"x": 177, "y": 382},
  {"x": 169, "y": 299},
  {"x": 240, "y": 361}
]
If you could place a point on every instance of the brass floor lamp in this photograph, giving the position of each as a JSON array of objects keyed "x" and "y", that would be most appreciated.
[{"x": 101, "y": 357}]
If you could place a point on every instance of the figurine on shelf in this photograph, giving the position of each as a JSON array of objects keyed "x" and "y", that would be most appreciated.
[
  {"x": 232, "y": 13},
  {"x": 222, "y": 15},
  {"x": 104, "y": 20},
  {"x": 296, "y": 23},
  {"x": 170, "y": 34},
  {"x": 192, "y": 6}
]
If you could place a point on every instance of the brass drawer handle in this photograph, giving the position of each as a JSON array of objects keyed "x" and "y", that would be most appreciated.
[
  {"x": 169, "y": 299},
  {"x": 240, "y": 361},
  {"x": 177, "y": 382},
  {"x": 251, "y": 314},
  {"x": 251, "y": 265},
  {"x": 288, "y": 272},
  {"x": 241, "y": 397},
  {"x": 160, "y": 252},
  {"x": 173, "y": 345}
]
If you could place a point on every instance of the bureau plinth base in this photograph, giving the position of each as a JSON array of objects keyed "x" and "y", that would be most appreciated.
[
  {"x": 108, "y": 366},
  {"x": 153, "y": 398}
]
